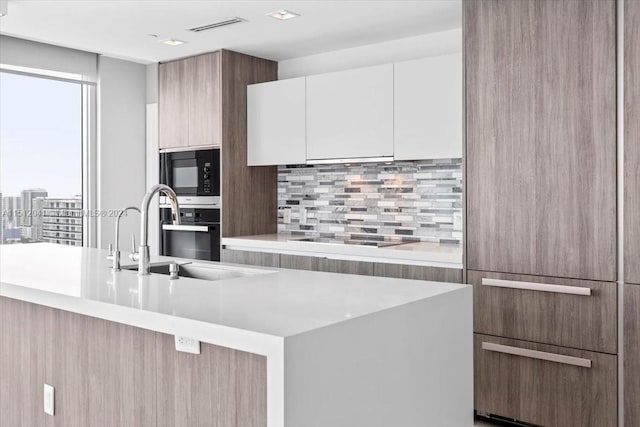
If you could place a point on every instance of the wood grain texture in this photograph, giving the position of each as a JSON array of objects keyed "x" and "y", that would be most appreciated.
[
  {"x": 103, "y": 372},
  {"x": 541, "y": 137},
  {"x": 631, "y": 355},
  {"x": 299, "y": 262},
  {"x": 249, "y": 194},
  {"x": 220, "y": 387},
  {"x": 173, "y": 103},
  {"x": 435, "y": 274},
  {"x": 584, "y": 322},
  {"x": 204, "y": 100},
  {"x": 22, "y": 341},
  {"x": 250, "y": 258},
  {"x": 545, "y": 393},
  {"x": 632, "y": 141},
  {"x": 345, "y": 267}
]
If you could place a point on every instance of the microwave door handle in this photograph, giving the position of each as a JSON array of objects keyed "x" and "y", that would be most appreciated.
[{"x": 183, "y": 227}]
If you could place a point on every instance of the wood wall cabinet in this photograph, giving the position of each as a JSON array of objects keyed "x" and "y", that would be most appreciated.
[
  {"x": 632, "y": 141},
  {"x": 427, "y": 110},
  {"x": 350, "y": 114},
  {"x": 541, "y": 137},
  {"x": 276, "y": 123},
  {"x": 545, "y": 385},
  {"x": 103, "y": 372},
  {"x": 189, "y": 102},
  {"x": 21, "y": 363}
]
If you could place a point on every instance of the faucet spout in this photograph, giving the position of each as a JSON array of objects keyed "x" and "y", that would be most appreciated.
[
  {"x": 116, "y": 254},
  {"x": 143, "y": 261}
]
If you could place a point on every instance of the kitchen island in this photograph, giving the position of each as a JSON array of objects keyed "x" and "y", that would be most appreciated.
[{"x": 307, "y": 348}]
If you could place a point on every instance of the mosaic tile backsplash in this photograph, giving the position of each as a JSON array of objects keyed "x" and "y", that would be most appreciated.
[{"x": 403, "y": 201}]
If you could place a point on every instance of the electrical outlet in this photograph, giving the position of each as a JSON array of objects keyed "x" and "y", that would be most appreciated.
[
  {"x": 286, "y": 216},
  {"x": 303, "y": 216},
  {"x": 49, "y": 400},
  {"x": 187, "y": 345},
  {"x": 457, "y": 221}
]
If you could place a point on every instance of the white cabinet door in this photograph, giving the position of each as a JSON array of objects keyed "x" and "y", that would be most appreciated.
[
  {"x": 350, "y": 114},
  {"x": 428, "y": 108},
  {"x": 276, "y": 123}
]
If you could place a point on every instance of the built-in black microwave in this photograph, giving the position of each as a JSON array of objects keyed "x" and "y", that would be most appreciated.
[{"x": 192, "y": 173}]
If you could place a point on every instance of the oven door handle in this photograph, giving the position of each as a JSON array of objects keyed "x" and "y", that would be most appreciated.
[{"x": 181, "y": 227}]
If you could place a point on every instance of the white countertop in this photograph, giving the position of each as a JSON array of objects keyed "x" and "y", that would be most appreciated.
[
  {"x": 419, "y": 253},
  {"x": 258, "y": 314}
]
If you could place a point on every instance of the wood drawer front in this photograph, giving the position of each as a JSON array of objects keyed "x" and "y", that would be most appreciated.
[
  {"x": 544, "y": 385},
  {"x": 549, "y": 312}
]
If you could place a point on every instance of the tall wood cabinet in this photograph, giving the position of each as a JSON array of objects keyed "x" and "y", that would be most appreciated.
[
  {"x": 631, "y": 323},
  {"x": 203, "y": 104},
  {"x": 541, "y": 208},
  {"x": 541, "y": 137}
]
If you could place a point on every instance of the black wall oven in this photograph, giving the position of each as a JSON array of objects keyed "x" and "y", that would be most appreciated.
[{"x": 197, "y": 237}]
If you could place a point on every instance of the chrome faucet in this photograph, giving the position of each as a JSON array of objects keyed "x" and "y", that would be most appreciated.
[
  {"x": 144, "y": 255},
  {"x": 116, "y": 254}
]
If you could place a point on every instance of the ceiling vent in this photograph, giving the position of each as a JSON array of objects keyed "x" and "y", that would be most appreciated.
[{"x": 219, "y": 24}]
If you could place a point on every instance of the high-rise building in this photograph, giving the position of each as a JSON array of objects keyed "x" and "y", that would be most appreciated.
[
  {"x": 27, "y": 207},
  {"x": 61, "y": 220},
  {"x": 2, "y": 219},
  {"x": 11, "y": 206}
]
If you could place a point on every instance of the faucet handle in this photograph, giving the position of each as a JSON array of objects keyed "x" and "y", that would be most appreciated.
[
  {"x": 110, "y": 251},
  {"x": 134, "y": 253}
]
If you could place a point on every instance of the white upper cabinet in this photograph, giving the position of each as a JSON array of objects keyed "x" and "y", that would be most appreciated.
[
  {"x": 350, "y": 114},
  {"x": 276, "y": 123},
  {"x": 428, "y": 108}
]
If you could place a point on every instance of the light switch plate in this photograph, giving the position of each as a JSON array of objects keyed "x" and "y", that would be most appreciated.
[
  {"x": 187, "y": 345},
  {"x": 286, "y": 216},
  {"x": 303, "y": 216},
  {"x": 49, "y": 400}
]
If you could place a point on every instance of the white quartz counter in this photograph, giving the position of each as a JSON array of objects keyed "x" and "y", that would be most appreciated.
[
  {"x": 419, "y": 253},
  {"x": 261, "y": 314}
]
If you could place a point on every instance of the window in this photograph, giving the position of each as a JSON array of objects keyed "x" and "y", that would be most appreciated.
[{"x": 41, "y": 159}]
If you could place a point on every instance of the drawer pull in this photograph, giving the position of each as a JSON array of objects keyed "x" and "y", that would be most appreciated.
[
  {"x": 534, "y": 354},
  {"x": 541, "y": 287}
]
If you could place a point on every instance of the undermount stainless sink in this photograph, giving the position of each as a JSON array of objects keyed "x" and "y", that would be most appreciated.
[{"x": 203, "y": 271}]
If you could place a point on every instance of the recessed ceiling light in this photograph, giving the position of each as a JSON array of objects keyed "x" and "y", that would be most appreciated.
[
  {"x": 283, "y": 14},
  {"x": 172, "y": 42}
]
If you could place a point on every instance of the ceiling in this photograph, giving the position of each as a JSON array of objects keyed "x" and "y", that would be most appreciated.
[{"x": 121, "y": 28}]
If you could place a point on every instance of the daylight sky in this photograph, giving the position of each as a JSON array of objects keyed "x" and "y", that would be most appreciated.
[{"x": 40, "y": 135}]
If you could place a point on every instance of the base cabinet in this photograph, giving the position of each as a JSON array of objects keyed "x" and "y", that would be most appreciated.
[
  {"x": 631, "y": 355},
  {"x": 545, "y": 385},
  {"x": 250, "y": 258}
]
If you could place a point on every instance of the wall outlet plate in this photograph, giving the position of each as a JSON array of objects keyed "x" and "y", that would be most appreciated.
[
  {"x": 303, "y": 216},
  {"x": 49, "y": 400},
  {"x": 286, "y": 216},
  {"x": 187, "y": 345},
  {"x": 457, "y": 221}
]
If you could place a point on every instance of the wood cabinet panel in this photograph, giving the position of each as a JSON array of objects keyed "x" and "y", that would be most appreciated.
[
  {"x": 578, "y": 321},
  {"x": 220, "y": 387},
  {"x": 631, "y": 355},
  {"x": 250, "y": 258},
  {"x": 435, "y": 274},
  {"x": 543, "y": 392},
  {"x": 631, "y": 141},
  {"x": 298, "y": 262},
  {"x": 173, "y": 103},
  {"x": 22, "y": 343},
  {"x": 541, "y": 137},
  {"x": 427, "y": 112},
  {"x": 249, "y": 194},
  {"x": 350, "y": 113},
  {"x": 345, "y": 267},
  {"x": 103, "y": 372},
  {"x": 204, "y": 100}
]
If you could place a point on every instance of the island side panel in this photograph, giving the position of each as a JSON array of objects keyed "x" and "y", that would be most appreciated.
[
  {"x": 406, "y": 366},
  {"x": 220, "y": 387},
  {"x": 22, "y": 341}
]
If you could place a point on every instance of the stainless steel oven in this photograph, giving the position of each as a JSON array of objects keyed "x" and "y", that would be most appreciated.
[
  {"x": 197, "y": 237},
  {"x": 193, "y": 175}
]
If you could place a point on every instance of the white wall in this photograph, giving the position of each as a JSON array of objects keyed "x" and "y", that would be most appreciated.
[
  {"x": 121, "y": 104},
  {"x": 374, "y": 54}
]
